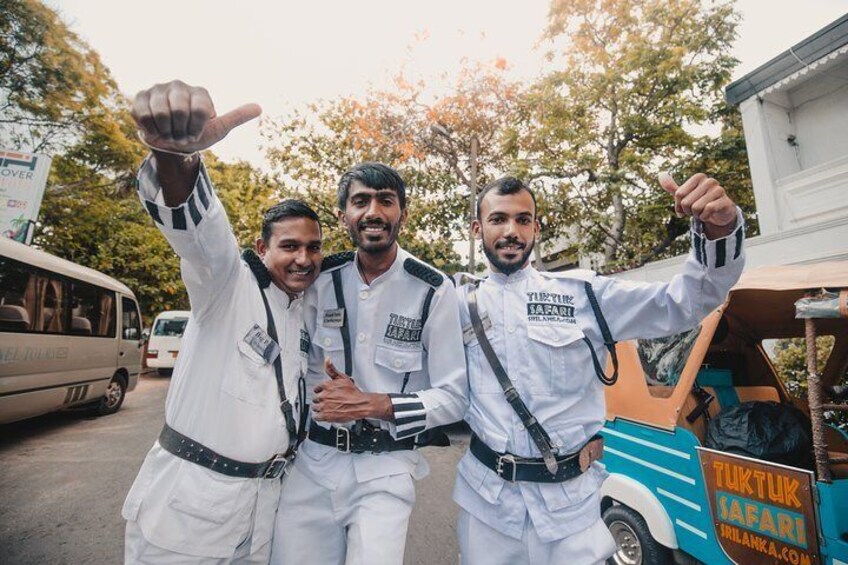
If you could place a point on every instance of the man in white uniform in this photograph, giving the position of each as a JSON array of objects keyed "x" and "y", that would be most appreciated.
[
  {"x": 208, "y": 490},
  {"x": 528, "y": 487},
  {"x": 392, "y": 324}
]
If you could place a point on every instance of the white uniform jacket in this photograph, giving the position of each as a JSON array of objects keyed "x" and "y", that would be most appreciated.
[
  {"x": 222, "y": 394},
  {"x": 536, "y": 323},
  {"x": 388, "y": 343}
]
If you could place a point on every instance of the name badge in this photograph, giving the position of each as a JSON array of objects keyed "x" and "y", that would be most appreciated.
[
  {"x": 468, "y": 331},
  {"x": 333, "y": 318},
  {"x": 262, "y": 344}
]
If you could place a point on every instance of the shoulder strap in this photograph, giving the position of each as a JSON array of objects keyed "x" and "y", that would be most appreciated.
[
  {"x": 534, "y": 428},
  {"x": 345, "y": 327},
  {"x": 425, "y": 313},
  {"x": 609, "y": 343}
]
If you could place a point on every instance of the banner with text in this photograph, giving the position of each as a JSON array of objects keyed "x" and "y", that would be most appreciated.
[
  {"x": 763, "y": 512},
  {"x": 23, "y": 177}
]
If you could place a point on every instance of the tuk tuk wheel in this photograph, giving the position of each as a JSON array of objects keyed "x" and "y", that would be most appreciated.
[{"x": 634, "y": 544}]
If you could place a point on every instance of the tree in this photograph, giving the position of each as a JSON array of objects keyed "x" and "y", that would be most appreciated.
[
  {"x": 427, "y": 140},
  {"x": 638, "y": 78}
]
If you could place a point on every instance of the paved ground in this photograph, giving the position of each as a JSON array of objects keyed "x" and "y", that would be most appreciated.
[{"x": 63, "y": 478}]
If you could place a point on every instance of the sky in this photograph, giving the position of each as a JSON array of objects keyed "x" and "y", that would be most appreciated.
[{"x": 283, "y": 54}]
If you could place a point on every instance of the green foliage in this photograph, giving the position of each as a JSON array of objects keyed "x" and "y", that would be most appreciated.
[
  {"x": 638, "y": 79},
  {"x": 790, "y": 361}
]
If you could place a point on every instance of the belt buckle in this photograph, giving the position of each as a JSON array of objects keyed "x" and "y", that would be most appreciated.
[
  {"x": 499, "y": 468},
  {"x": 276, "y": 467},
  {"x": 343, "y": 440}
]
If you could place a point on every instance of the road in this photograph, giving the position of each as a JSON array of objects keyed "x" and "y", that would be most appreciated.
[{"x": 63, "y": 478}]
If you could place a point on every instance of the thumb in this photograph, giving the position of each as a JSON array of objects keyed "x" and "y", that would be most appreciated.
[
  {"x": 667, "y": 182},
  {"x": 218, "y": 128},
  {"x": 331, "y": 370}
]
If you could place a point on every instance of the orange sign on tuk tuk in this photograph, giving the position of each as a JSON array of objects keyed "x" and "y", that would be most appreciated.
[{"x": 763, "y": 512}]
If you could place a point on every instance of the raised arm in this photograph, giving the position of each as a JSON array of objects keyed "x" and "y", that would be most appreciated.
[{"x": 176, "y": 121}]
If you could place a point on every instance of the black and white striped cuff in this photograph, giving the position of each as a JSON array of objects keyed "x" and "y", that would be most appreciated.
[
  {"x": 187, "y": 215},
  {"x": 718, "y": 253},
  {"x": 410, "y": 415}
]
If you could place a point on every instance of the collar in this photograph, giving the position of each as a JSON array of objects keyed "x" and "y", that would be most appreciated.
[
  {"x": 281, "y": 297},
  {"x": 517, "y": 276},
  {"x": 396, "y": 266}
]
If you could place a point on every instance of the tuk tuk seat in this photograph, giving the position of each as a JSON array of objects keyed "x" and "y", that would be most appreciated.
[{"x": 743, "y": 393}]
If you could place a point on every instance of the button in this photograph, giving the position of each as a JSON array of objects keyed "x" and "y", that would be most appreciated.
[
  {"x": 520, "y": 427},
  {"x": 397, "y": 363},
  {"x": 364, "y": 294},
  {"x": 361, "y": 337},
  {"x": 511, "y": 329},
  {"x": 327, "y": 341}
]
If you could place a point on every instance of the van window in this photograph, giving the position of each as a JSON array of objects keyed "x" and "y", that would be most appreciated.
[
  {"x": 174, "y": 327},
  {"x": 663, "y": 359},
  {"x": 17, "y": 296},
  {"x": 130, "y": 323},
  {"x": 92, "y": 310}
]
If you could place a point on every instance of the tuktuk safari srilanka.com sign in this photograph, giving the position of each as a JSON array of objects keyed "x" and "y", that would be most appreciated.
[
  {"x": 763, "y": 512},
  {"x": 23, "y": 177}
]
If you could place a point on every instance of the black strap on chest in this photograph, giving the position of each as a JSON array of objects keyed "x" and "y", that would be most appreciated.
[
  {"x": 345, "y": 327},
  {"x": 297, "y": 432},
  {"x": 534, "y": 428},
  {"x": 609, "y": 343},
  {"x": 425, "y": 313}
]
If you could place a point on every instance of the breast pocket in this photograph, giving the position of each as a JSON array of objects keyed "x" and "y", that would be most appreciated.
[
  {"x": 328, "y": 343},
  {"x": 399, "y": 361},
  {"x": 480, "y": 371},
  {"x": 557, "y": 352},
  {"x": 249, "y": 381}
]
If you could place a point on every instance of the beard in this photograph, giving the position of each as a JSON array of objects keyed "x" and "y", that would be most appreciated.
[
  {"x": 508, "y": 267},
  {"x": 366, "y": 245}
]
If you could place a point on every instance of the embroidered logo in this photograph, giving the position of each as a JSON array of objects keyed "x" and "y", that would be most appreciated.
[
  {"x": 550, "y": 307},
  {"x": 402, "y": 330}
]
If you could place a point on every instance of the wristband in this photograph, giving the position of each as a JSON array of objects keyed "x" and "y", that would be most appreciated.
[{"x": 186, "y": 156}]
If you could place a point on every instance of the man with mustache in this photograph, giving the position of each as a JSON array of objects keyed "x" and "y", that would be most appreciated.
[
  {"x": 390, "y": 323},
  {"x": 208, "y": 489},
  {"x": 535, "y": 343}
]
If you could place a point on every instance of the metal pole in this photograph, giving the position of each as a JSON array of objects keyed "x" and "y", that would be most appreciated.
[
  {"x": 472, "y": 203},
  {"x": 814, "y": 398}
]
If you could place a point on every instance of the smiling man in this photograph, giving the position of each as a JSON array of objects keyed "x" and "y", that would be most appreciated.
[
  {"x": 535, "y": 343},
  {"x": 208, "y": 489},
  {"x": 391, "y": 324}
]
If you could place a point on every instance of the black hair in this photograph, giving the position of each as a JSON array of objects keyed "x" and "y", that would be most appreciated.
[
  {"x": 504, "y": 185},
  {"x": 289, "y": 208},
  {"x": 373, "y": 175}
]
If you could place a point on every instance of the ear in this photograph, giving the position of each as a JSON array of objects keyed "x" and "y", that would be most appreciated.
[
  {"x": 537, "y": 228},
  {"x": 404, "y": 214},
  {"x": 261, "y": 247},
  {"x": 340, "y": 214},
  {"x": 477, "y": 229}
]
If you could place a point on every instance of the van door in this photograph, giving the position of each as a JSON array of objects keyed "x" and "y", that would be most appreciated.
[{"x": 129, "y": 348}]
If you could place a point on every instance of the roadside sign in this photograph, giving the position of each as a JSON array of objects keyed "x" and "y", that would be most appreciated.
[{"x": 23, "y": 177}]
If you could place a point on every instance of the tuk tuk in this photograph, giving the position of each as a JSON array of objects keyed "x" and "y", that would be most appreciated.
[{"x": 671, "y": 499}]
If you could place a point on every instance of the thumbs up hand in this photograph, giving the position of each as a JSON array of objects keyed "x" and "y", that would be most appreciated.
[
  {"x": 340, "y": 400},
  {"x": 703, "y": 198},
  {"x": 177, "y": 118}
]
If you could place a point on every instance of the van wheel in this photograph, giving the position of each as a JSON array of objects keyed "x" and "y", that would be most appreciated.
[
  {"x": 114, "y": 397},
  {"x": 634, "y": 544}
]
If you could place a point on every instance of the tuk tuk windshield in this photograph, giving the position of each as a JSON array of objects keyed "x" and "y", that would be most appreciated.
[{"x": 663, "y": 358}]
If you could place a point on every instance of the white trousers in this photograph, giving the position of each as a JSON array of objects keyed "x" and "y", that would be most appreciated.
[
  {"x": 481, "y": 545},
  {"x": 139, "y": 551},
  {"x": 356, "y": 524}
]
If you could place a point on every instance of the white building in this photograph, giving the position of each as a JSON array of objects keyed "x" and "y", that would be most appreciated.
[{"x": 795, "y": 116}]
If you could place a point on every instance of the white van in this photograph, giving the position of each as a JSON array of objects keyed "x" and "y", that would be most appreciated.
[
  {"x": 165, "y": 339},
  {"x": 69, "y": 335}
]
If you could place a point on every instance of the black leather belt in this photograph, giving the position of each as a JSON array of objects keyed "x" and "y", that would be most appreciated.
[
  {"x": 367, "y": 440},
  {"x": 532, "y": 469},
  {"x": 186, "y": 448}
]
